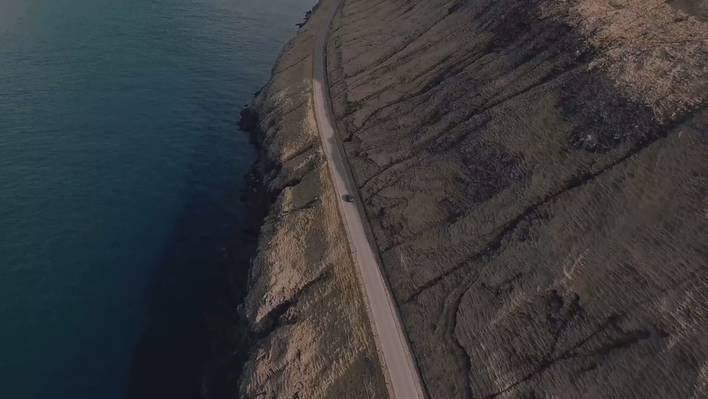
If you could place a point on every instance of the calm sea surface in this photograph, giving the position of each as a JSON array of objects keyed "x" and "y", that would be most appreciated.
[{"x": 120, "y": 170}]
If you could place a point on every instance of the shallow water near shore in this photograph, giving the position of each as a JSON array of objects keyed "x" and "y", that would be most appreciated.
[{"x": 121, "y": 165}]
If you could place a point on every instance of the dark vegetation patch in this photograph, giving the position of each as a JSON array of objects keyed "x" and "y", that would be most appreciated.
[
  {"x": 491, "y": 169},
  {"x": 605, "y": 118}
]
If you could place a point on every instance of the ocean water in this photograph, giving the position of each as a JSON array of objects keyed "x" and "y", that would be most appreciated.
[{"x": 121, "y": 166}]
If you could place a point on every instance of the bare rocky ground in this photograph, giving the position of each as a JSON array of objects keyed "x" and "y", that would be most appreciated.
[
  {"x": 308, "y": 332},
  {"x": 535, "y": 175}
]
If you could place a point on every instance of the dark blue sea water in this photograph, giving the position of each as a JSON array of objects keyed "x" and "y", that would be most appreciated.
[{"x": 121, "y": 166}]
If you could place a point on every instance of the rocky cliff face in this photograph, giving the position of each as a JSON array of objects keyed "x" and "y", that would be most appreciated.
[
  {"x": 535, "y": 173},
  {"x": 309, "y": 336}
]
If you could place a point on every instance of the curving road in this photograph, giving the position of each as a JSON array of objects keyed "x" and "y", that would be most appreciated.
[{"x": 401, "y": 373}]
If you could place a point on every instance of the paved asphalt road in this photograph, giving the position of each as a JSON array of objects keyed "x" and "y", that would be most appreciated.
[{"x": 402, "y": 378}]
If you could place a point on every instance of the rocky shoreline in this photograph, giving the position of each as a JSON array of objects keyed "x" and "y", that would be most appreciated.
[
  {"x": 231, "y": 337},
  {"x": 301, "y": 329}
]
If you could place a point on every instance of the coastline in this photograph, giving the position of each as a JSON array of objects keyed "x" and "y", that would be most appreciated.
[
  {"x": 229, "y": 333},
  {"x": 300, "y": 328}
]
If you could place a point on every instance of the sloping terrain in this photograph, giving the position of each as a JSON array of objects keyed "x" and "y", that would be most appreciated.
[
  {"x": 307, "y": 327},
  {"x": 535, "y": 175}
]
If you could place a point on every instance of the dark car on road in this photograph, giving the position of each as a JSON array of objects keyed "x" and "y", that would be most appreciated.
[{"x": 348, "y": 197}]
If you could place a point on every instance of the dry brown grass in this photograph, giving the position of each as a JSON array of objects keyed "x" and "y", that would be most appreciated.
[{"x": 655, "y": 53}]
